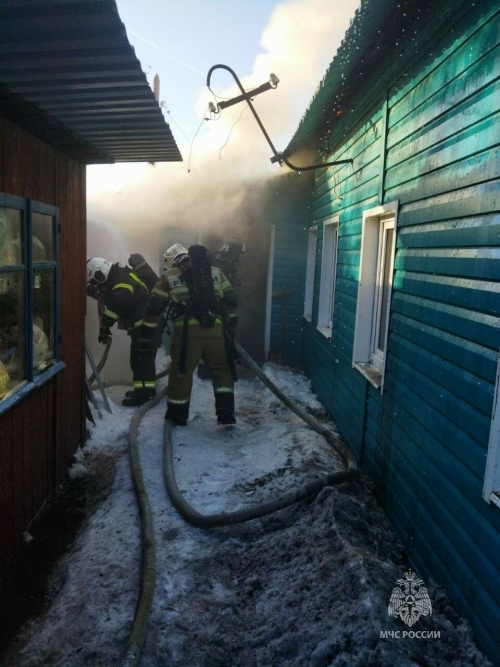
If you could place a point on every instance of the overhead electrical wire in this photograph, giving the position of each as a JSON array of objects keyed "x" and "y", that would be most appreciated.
[
  {"x": 192, "y": 141},
  {"x": 230, "y": 131}
]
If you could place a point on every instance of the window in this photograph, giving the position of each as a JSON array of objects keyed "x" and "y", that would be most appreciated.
[
  {"x": 28, "y": 294},
  {"x": 328, "y": 274},
  {"x": 491, "y": 488},
  {"x": 378, "y": 242},
  {"x": 310, "y": 272}
]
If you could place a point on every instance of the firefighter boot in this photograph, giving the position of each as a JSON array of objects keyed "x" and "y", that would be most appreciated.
[
  {"x": 177, "y": 413},
  {"x": 224, "y": 407},
  {"x": 138, "y": 397}
]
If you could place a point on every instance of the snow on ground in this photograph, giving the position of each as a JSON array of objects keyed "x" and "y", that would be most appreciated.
[{"x": 306, "y": 587}]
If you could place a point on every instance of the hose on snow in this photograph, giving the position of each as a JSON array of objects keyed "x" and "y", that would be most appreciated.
[
  {"x": 308, "y": 490},
  {"x": 137, "y": 635}
]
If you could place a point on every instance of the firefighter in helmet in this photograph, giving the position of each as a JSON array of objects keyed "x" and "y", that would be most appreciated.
[
  {"x": 227, "y": 259},
  {"x": 124, "y": 296},
  {"x": 198, "y": 331}
]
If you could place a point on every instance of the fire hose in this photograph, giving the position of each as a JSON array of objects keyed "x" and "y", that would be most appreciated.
[{"x": 137, "y": 635}]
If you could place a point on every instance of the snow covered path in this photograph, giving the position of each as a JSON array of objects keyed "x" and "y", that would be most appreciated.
[{"x": 306, "y": 587}]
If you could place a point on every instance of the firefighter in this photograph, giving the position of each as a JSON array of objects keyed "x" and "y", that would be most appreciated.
[
  {"x": 228, "y": 257},
  {"x": 227, "y": 260},
  {"x": 124, "y": 296},
  {"x": 193, "y": 337}
]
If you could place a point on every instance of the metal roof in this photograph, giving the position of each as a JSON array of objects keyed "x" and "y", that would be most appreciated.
[
  {"x": 69, "y": 75},
  {"x": 380, "y": 31}
]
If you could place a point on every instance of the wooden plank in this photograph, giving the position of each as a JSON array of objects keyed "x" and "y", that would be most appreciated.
[
  {"x": 465, "y": 293},
  {"x": 474, "y": 170},
  {"x": 478, "y": 360},
  {"x": 478, "y": 231},
  {"x": 476, "y": 263},
  {"x": 21, "y": 519},
  {"x": 480, "y": 138},
  {"x": 472, "y": 37},
  {"x": 352, "y": 190},
  {"x": 348, "y": 242},
  {"x": 470, "y": 325},
  {"x": 7, "y": 513},
  {"x": 448, "y": 87},
  {"x": 450, "y": 406},
  {"x": 27, "y": 444},
  {"x": 39, "y": 448},
  {"x": 364, "y": 137},
  {"x": 412, "y": 464},
  {"x": 468, "y": 386},
  {"x": 470, "y": 201},
  {"x": 469, "y": 113},
  {"x": 429, "y": 416}
]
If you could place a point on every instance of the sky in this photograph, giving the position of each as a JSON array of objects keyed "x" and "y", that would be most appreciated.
[
  {"x": 308, "y": 586},
  {"x": 180, "y": 41}
]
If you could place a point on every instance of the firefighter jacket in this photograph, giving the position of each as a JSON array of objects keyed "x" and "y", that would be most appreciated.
[
  {"x": 125, "y": 297},
  {"x": 172, "y": 289}
]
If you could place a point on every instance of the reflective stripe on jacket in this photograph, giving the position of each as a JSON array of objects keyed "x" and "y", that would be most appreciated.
[
  {"x": 125, "y": 299},
  {"x": 172, "y": 289}
]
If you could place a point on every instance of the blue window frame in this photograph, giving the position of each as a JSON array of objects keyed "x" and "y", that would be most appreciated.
[{"x": 29, "y": 296}]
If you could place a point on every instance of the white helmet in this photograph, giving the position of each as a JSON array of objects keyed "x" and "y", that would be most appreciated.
[
  {"x": 172, "y": 254},
  {"x": 98, "y": 270}
]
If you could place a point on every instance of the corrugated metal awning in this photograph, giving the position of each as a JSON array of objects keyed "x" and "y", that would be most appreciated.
[{"x": 69, "y": 75}]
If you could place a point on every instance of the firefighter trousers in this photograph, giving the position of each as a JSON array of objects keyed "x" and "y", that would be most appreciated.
[
  {"x": 143, "y": 369},
  {"x": 206, "y": 344}
]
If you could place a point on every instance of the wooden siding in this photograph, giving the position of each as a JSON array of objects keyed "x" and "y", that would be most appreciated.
[
  {"x": 289, "y": 212},
  {"x": 432, "y": 142},
  {"x": 39, "y": 435}
]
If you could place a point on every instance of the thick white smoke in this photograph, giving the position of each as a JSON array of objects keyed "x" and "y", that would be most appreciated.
[
  {"x": 298, "y": 44},
  {"x": 138, "y": 201}
]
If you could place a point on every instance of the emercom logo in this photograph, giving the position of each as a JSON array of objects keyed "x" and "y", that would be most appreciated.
[{"x": 409, "y": 601}]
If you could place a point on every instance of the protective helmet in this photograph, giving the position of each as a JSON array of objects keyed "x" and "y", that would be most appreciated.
[
  {"x": 233, "y": 246},
  {"x": 98, "y": 270},
  {"x": 172, "y": 254}
]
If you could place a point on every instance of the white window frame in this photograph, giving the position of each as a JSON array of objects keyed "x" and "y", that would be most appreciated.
[
  {"x": 368, "y": 356},
  {"x": 491, "y": 488},
  {"x": 312, "y": 245},
  {"x": 328, "y": 277}
]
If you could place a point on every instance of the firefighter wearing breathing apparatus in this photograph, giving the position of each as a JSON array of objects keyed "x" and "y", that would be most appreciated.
[
  {"x": 227, "y": 259},
  {"x": 124, "y": 295},
  {"x": 204, "y": 313}
]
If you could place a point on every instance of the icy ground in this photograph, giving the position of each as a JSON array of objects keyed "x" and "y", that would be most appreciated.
[{"x": 306, "y": 587}]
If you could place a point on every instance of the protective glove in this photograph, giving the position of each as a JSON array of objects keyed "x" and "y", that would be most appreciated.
[
  {"x": 104, "y": 335},
  {"x": 144, "y": 348}
]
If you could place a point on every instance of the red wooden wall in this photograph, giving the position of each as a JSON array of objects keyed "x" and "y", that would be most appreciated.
[{"x": 39, "y": 435}]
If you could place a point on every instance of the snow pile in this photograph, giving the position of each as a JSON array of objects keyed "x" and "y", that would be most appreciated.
[{"x": 306, "y": 587}]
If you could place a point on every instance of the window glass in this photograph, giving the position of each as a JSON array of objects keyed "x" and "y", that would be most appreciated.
[
  {"x": 11, "y": 240},
  {"x": 386, "y": 289},
  {"x": 12, "y": 331},
  {"x": 43, "y": 237},
  {"x": 43, "y": 318}
]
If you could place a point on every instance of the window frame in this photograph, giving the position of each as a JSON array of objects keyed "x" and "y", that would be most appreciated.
[
  {"x": 34, "y": 378},
  {"x": 312, "y": 245},
  {"x": 329, "y": 253},
  {"x": 368, "y": 359},
  {"x": 491, "y": 486}
]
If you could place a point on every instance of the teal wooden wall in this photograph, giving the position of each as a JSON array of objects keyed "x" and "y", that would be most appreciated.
[
  {"x": 431, "y": 142},
  {"x": 288, "y": 210}
]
